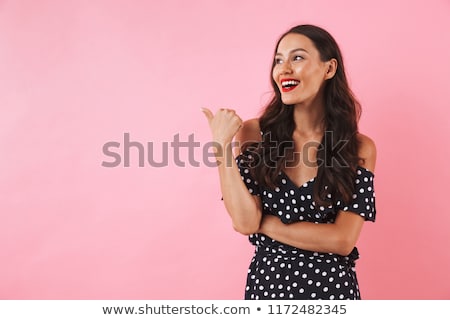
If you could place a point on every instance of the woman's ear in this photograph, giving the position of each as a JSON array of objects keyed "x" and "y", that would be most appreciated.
[{"x": 332, "y": 66}]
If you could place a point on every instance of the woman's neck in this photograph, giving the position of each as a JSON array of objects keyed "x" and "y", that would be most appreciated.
[{"x": 309, "y": 119}]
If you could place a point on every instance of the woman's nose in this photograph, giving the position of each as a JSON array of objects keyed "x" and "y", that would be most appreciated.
[{"x": 285, "y": 68}]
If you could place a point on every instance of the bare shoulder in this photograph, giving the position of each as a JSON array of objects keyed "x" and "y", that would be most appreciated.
[
  {"x": 367, "y": 152},
  {"x": 248, "y": 133}
]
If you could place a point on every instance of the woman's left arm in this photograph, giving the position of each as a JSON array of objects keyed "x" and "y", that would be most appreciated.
[{"x": 339, "y": 237}]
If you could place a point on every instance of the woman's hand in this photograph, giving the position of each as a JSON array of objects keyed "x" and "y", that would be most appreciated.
[{"x": 224, "y": 125}]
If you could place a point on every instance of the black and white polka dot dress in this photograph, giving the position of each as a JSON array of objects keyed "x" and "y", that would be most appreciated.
[{"x": 280, "y": 271}]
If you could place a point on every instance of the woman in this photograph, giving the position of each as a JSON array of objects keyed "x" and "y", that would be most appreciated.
[{"x": 302, "y": 185}]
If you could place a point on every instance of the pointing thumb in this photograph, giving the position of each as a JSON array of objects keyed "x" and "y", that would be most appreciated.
[{"x": 209, "y": 115}]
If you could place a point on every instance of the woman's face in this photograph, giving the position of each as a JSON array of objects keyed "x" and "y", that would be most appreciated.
[{"x": 299, "y": 72}]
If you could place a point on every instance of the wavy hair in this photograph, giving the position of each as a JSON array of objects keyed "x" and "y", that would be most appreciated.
[{"x": 336, "y": 168}]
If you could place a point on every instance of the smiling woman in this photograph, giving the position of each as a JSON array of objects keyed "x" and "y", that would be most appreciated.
[{"x": 301, "y": 200}]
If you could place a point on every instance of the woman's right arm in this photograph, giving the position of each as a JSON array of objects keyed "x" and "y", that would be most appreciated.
[{"x": 243, "y": 208}]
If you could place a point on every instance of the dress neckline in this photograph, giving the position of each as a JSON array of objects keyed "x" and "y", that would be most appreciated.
[{"x": 306, "y": 183}]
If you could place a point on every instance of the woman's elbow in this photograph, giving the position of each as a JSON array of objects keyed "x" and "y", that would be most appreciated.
[
  {"x": 246, "y": 229},
  {"x": 345, "y": 246}
]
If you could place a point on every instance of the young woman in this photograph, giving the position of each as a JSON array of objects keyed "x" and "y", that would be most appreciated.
[{"x": 302, "y": 184}]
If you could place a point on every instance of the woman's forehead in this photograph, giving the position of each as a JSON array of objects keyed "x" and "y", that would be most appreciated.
[{"x": 293, "y": 41}]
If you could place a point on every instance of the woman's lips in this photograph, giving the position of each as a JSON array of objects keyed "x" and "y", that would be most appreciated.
[
  {"x": 287, "y": 89},
  {"x": 289, "y": 84}
]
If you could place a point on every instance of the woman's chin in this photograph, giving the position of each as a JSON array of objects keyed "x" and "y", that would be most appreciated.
[{"x": 289, "y": 102}]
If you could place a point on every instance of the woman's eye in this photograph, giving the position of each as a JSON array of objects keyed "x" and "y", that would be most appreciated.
[
  {"x": 278, "y": 61},
  {"x": 296, "y": 58}
]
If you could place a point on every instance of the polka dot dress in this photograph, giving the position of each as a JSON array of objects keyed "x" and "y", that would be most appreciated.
[{"x": 280, "y": 271}]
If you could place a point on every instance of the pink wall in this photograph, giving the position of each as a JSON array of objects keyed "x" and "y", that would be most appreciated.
[{"x": 77, "y": 74}]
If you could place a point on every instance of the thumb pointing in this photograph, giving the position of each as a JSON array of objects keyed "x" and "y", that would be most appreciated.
[{"x": 209, "y": 115}]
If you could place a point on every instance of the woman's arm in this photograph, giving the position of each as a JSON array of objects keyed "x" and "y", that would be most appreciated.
[
  {"x": 339, "y": 237},
  {"x": 243, "y": 208}
]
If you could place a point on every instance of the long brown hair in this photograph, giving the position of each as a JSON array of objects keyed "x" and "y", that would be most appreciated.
[{"x": 337, "y": 155}]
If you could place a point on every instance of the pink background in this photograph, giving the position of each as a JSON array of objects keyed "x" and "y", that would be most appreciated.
[{"x": 77, "y": 74}]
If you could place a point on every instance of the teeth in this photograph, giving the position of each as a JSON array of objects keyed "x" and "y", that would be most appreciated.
[{"x": 290, "y": 83}]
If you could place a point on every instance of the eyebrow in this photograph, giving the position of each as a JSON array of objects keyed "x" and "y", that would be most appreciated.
[{"x": 292, "y": 51}]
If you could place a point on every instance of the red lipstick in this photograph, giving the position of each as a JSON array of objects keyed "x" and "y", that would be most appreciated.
[{"x": 288, "y": 84}]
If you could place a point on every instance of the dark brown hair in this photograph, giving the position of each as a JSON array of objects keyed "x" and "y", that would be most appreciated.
[{"x": 336, "y": 165}]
